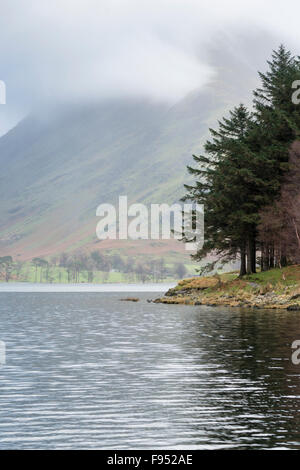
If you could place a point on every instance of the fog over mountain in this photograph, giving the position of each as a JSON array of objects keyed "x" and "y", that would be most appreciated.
[
  {"x": 60, "y": 163},
  {"x": 161, "y": 49},
  {"x": 113, "y": 97}
]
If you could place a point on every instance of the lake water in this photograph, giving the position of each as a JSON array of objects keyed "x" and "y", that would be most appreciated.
[
  {"x": 84, "y": 370},
  {"x": 83, "y": 287}
]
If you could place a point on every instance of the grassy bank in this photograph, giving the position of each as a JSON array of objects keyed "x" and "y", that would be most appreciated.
[{"x": 274, "y": 289}]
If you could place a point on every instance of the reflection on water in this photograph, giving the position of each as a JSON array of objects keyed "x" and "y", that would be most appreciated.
[{"x": 84, "y": 370}]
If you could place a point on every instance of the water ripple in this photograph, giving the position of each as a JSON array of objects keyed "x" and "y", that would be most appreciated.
[{"x": 87, "y": 371}]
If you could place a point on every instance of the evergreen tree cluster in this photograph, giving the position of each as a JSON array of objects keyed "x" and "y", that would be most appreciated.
[{"x": 244, "y": 165}]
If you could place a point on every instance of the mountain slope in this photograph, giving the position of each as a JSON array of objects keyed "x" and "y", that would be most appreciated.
[{"x": 57, "y": 169}]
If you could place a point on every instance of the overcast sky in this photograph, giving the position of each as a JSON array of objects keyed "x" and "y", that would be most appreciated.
[{"x": 92, "y": 49}]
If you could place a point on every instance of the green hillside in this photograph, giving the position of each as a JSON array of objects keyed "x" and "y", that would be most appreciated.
[{"x": 57, "y": 167}]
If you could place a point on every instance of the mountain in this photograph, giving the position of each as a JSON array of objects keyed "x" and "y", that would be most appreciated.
[{"x": 59, "y": 165}]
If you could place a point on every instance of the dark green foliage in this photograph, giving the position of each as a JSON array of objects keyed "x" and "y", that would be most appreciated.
[{"x": 244, "y": 165}]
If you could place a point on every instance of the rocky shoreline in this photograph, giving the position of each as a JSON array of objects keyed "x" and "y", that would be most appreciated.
[{"x": 243, "y": 293}]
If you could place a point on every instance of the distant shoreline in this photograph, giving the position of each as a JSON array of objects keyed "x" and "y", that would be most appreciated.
[{"x": 6, "y": 287}]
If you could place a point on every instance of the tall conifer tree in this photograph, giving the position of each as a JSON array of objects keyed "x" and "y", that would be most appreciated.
[{"x": 245, "y": 162}]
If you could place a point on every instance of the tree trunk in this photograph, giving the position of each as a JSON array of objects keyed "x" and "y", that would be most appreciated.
[
  {"x": 266, "y": 258},
  {"x": 296, "y": 232},
  {"x": 262, "y": 257},
  {"x": 283, "y": 261},
  {"x": 272, "y": 261},
  {"x": 248, "y": 258},
  {"x": 251, "y": 254},
  {"x": 243, "y": 270}
]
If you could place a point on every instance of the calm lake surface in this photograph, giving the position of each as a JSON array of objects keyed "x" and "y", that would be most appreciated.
[{"x": 84, "y": 370}]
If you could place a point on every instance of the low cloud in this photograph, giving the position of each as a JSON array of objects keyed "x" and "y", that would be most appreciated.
[{"x": 87, "y": 49}]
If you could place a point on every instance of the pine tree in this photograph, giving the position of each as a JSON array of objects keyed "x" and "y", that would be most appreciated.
[
  {"x": 278, "y": 126},
  {"x": 224, "y": 185},
  {"x": 245, "y": 163}
]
